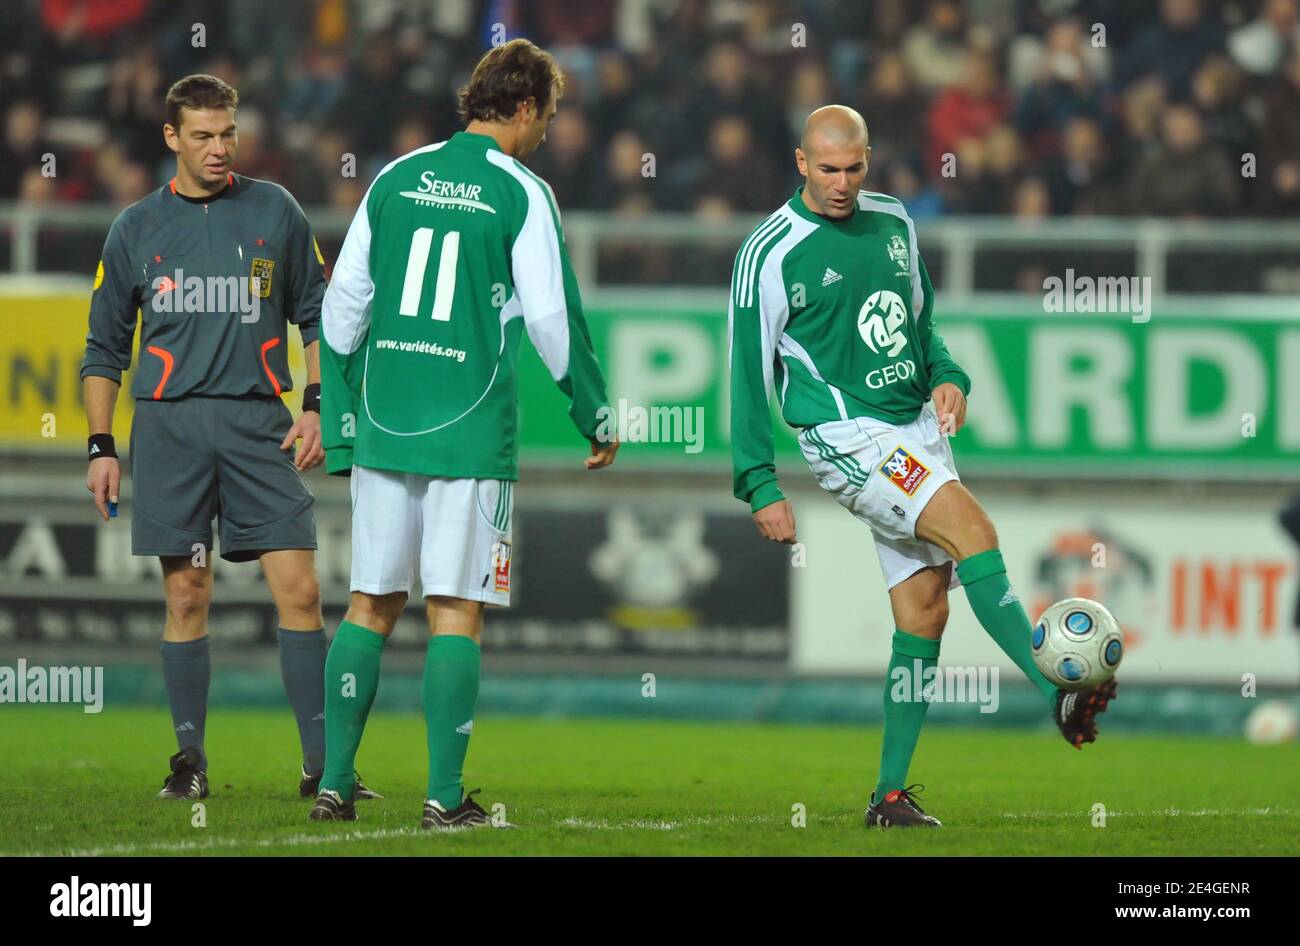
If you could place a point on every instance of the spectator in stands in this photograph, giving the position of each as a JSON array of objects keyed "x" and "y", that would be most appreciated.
[
  {"x": 1065, "y": 52},
  {"x": 1083, "y": 179},
  {"x": 316, "y": 86},
  {"x": 809, "y": 89},
  {"x": 374, "y": 96},
  {"x": 1261, "y": 46},
  {"x": 35, "y": 188},
  {"x": 23, "y": 147},
  {"x": 967, "y": 109},
  {"x": 893, "y": 107},
  {"x": 693, "y": 83},
  {"x": 1276, "y": 188},
  {"x": 1217, "y": 91},
  {"x": 729, "y": 86},
  {"x": 1032, "y": 200},
  {"x": 1173, "y": 47},
  {"x": 622, "y": 176},
  {"x": 936, "y": 49},
  {"x": 731, "y": 168},
  {"x": 570, "y": 160},
  {"x": 1066, "y": 84},
  {"x": 617, "y": 101},
  {"x": 1142, "y": 105},
  {"x": 1187, "y": 176},
  {"x": 903, "y": 179}
]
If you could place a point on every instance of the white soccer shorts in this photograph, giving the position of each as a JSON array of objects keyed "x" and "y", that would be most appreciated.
[
  {"x": 455, "y": 531},
  {"x": 885, "y": 474}
]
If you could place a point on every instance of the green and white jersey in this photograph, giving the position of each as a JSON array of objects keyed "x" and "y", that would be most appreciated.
[
  {"x": 837, "y": 317},
  {"x": 455, "y": 251}
]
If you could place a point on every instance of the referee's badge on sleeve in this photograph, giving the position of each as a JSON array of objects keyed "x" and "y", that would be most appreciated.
[
  {"x": 99, "y": 276},
  {"x": 261, "y": 273},
  {"x": 320, "y": 257}
]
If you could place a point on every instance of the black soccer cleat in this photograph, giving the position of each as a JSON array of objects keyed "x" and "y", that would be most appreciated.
[
  {"x": 309, "y": 787},
  {"x": 330, "y": 806},
  {"x": 898, "y": 809},
  {"x": 1076, "y": 712},
  {"x": 468, "y": 814},
  {"x": 187, "y": 780}
]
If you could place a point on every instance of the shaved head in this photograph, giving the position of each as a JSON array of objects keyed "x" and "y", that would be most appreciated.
[
  {"x": 837, "y": 126},
  {"x": 832, "y": 156}
]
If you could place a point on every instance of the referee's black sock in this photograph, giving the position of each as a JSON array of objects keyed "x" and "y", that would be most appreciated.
[
  {"x": 302, "y": 666},
  {"x": 187, "y": 670}
]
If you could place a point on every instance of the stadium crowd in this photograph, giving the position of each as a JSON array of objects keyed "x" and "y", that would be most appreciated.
[{"x": 1022, "y": 107}]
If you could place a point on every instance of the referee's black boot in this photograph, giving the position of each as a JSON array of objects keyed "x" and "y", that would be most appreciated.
[{"x": 187, "y": 780}]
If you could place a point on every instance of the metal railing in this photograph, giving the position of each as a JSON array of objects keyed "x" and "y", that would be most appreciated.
[{"x": 958, "y": 240}]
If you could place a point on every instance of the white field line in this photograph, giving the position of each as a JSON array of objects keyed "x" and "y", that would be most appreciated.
[
  {"x": 1272, "y": 811},
  {"x": 214, "y": 844},
  {"x": 217, "y": 844},
  {"x": 637, "y": 824}
]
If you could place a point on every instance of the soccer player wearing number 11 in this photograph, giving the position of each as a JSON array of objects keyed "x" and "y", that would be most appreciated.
[
  {"x": 455, "y": 251},
  {"x": 832, "y": 306}
]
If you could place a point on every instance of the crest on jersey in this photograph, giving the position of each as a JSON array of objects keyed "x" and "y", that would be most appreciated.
[
  {"x": 904, "y": 471},
  {"x": 899, "y": 252},
  {"x": 261, "y": 276},
  {"x": 880, "y": 322}
]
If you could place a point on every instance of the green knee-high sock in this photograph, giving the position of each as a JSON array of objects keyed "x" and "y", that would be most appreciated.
[
  {"x": 351, "y": 680},
  {"x": 449, "y": 691},
  {"x": 1000, "y": 612},
  {"x": 913, "y": 656}
]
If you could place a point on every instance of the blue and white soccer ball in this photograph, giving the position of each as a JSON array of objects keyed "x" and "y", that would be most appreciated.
[{"x": 1077, "y": 644}]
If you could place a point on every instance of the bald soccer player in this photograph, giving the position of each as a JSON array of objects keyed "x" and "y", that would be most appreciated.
[{"x": 831, "y": 305}]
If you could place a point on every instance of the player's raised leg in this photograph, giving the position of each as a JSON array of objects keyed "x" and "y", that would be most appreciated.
[
  {"x": 920, "y": 606},
  {"x": 954, "y": 521},
  {"x": 187, "y": 671}
]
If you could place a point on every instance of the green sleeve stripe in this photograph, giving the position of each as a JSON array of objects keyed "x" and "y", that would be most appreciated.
[{"x": 753, "y": 254}]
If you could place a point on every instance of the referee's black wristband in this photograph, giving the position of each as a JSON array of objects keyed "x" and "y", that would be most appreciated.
[
  {"x": 311, "y": 398},
  {"x": 101, "y": 445}
]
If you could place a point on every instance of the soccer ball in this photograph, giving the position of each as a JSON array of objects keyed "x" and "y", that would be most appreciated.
[
  {"x": 1271, "y": 722},
  {"x": 1077, "y": 644}
]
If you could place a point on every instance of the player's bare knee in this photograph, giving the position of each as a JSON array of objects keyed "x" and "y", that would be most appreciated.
[
  {"x": 931, "y": 619},
  {"x": 300, "y": 597},
  {"x": 187, "y": 601},
  {"x": 378, "y": 613}
]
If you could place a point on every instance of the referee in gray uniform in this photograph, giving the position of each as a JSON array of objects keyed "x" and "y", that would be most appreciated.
[{"x": 218, "y": 265}]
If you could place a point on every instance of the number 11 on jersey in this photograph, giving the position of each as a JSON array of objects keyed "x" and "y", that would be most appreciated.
[{"x": 417, "y": 260}]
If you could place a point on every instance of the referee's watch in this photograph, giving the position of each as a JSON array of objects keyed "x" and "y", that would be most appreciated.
[{"x": 311, "y": 398}]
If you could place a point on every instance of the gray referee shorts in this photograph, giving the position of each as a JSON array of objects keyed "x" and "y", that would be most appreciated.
[{"x": 201, "y": 457}]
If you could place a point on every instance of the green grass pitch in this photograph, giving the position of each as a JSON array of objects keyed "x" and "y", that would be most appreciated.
[{"x": 83, "y": 784}]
